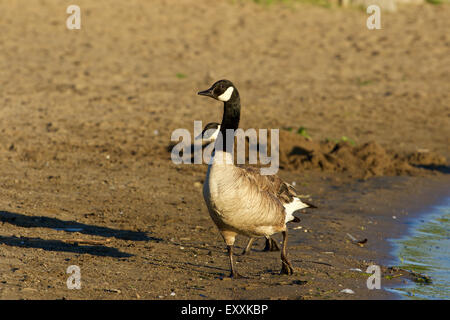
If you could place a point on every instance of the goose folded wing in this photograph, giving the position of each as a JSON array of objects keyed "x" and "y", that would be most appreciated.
[{"x": 272, "y": 184}]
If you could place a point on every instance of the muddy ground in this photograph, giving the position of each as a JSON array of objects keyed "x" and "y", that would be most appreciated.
[{"x": 86, "y": 117}]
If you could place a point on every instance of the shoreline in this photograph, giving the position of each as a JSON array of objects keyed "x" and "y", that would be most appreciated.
[
  {"x": 408, "y": 208},
  {"x": 411, "y": 225},
  {"x": 430, "y": 194}
]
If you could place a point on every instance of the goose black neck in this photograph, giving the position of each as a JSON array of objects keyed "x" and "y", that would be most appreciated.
[{"x": 231, "y": 116}]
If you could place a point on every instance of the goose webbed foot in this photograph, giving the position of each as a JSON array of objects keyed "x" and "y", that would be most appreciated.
[
  {"x": 286, "y": 268},
  {"x": 271, "y": 245}
]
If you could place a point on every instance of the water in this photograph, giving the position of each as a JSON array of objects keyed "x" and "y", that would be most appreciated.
[{"x": 426, "y": 250}]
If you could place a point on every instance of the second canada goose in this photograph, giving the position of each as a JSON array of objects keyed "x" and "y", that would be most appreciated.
[
  {"x": 239, "y": 199},
  {"x": 209, "y": 134}
]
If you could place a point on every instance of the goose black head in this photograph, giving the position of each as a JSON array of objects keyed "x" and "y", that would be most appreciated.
[
  {"x": 222, "y": 90},
  {"x": 210, "y": 132}
]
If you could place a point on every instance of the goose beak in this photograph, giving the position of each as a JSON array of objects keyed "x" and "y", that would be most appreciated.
[
  {"x": 199, "y": 137},
  {"x": 207, "y": 93}
]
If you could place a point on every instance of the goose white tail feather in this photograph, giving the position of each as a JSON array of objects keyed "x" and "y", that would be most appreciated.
[{"x": 293, "y": 206}]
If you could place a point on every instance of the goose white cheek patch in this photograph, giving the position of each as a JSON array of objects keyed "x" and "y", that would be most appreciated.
[
  {"x": 211, "y": 134},
  {"x": 226, "y": 95}
]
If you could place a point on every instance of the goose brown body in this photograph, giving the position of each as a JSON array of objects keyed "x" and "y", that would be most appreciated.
[
  {"x": 209, "y": 134},
  {"x": 241, "y": 201}
]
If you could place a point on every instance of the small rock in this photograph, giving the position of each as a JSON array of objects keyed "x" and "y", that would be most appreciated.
[
  {"x": 113, "y": 290},
  {"x": 349, "y": 291},
  {"x": 197, "y": 184}
]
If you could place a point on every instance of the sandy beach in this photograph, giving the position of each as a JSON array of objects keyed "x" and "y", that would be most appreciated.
[{"x": 86, "y": 117}]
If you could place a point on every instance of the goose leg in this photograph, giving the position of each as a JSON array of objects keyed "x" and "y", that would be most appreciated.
[
  {"x": 271, "y": 245},
  {"x": 230, "y": 237},
  {"x": 234, "y": 274},
  {"x": 248, "y": 247},
  {"x": 286, "y": 267}
]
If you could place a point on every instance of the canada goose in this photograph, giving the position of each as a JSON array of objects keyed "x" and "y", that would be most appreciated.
[
  {"x": 208, "y": 135},
  {"x": 239, "y": 199}
]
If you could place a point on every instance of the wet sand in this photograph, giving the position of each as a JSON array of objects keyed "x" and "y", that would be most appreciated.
[{"x": 86, "y": 119}]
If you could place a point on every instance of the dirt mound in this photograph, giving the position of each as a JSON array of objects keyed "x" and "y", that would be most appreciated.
[
  {"x": 367, "y": 160},
  {"x": 427, "y": 158},
  {"x": 370, "y": 159}
]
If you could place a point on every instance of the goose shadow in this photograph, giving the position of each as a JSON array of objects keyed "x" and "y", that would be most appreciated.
[
  {"x": 445, "y": 169},
  {"x": 205, "y": 270},
  {"x": 59, "y": 246},
  {"x": 25, "y": 221}
]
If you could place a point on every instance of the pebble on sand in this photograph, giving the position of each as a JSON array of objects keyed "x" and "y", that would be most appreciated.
[{"x": 349, "y": 291}]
